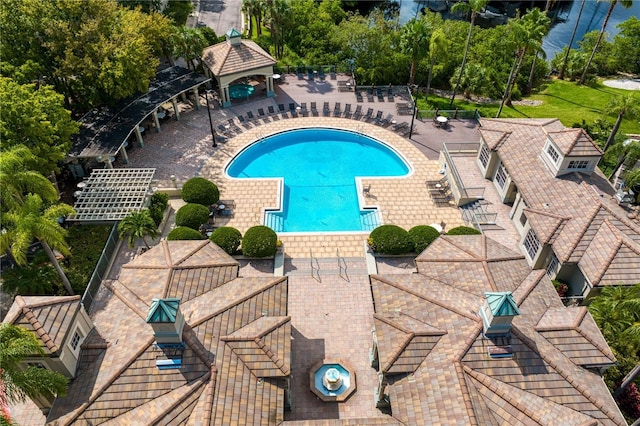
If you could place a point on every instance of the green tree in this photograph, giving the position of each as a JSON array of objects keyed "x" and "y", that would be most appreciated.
[
  {"x": 278, "y": 16},
  {"x": 254, "y": 9},
  {"x": 16, "y": 180},
  {"x": 438, "y": 46},
  {"x": 627, "y": 153},
  {"x": 612, "y": 3},
  {"x": 472, "y": 7},
  {"x": 188, "y": 43},
  {"x": 626, "y": 46},
  {"x": 137, "y": 225},
  {"x": 20, "y": 382},
  {"x": 35, "y": 118},
  {"x": 414, "y": 42},
  {"x": 573, "y": 35},
  {"x": 620, "y": 106},
  {"x": 34, "y": 220}
]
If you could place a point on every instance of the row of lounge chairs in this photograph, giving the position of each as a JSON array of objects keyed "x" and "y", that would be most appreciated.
[
  {"x": 439, "y": 190},
  {"x": 375, "y": 92},
  {"x": 315, "y": 74}
]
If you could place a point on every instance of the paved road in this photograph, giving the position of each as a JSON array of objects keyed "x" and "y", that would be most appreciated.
[{"x": 219, "y": 15}]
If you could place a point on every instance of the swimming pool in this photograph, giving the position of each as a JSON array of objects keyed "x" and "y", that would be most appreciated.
[{"x": 319, "y": 168}]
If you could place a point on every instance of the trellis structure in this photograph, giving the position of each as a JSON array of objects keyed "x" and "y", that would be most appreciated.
[{"x": 109, "y": 195}]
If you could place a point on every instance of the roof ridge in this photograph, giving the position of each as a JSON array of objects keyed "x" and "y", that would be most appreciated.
[
  {"x": 202, "y": 379},
  {"x": 209, "y": 393},
  {"x": 199, "y": 247},
  {"x": 272, "y": 356},
  {"x": 527, "y": 291},
  {"x": 487, "y": 272},
  {"x": 545, "y": 213},
  {"x": 428, "y": 299},
  {"x": 114, "y": 285},
  {"x": 565, "y": 375},
  {"x": 282, "y": 320},
  {"x": 580, "y": 233},
  {"x": 191, "y": 339},
  {"x": 468, "y": 343},
  {"x": 606, "y": 351},
  {"x": 614, "y": 252},
  {"x": 394, "y": 356},
  {"x": 466, "y": 394},
  {"x": 38, "y": 328},
  {"x": 450, "y": 240}
]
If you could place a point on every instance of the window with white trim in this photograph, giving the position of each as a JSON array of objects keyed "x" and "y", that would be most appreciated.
[
  {"x": 75, "y": 340},
  {"x": 501, "y": 175},
  {"x": 484, "y": 155},
  {"x": 552, "y": 267},
  {"x": 531, "y": 244},
  {"x": 523, "y": 219},
  {"x": 579, "y": 164},
  {"x": 552, "y": 153}
]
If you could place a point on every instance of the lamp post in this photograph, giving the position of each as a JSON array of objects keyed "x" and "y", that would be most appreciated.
[
  {"x": 213, "y": 133},
  {"x": 415, "y": 109}
]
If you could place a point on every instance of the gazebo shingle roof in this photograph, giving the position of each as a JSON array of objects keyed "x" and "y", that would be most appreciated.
[{"x": 224, "y": 58}]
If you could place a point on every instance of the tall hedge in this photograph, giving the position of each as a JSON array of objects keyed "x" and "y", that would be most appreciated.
[
  {"x": 259, "y": 241},
  {"x": 463, "y": 230},
  {"x": 227, "y": 238},
  {"x": 192, "y": 215},
  {"x": 390, "y": 239},
  {"x": 421, "y": 236},
  {"x": 184, "y": 233},
  {"x": 199, "y": 190}
]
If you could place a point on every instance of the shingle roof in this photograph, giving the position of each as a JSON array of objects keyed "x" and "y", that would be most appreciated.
[
  {"x": 48, "y": 317},
  {"x": 574, "y": 143},
  {"x": 236, "y": 358},
  {"x": 453, "y": 380},
  {"x": 224, "y": 59},
  {"x": 568, "y": 211}
]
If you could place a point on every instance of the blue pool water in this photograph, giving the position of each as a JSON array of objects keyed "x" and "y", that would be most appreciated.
[{"x": 319, "y": 167}]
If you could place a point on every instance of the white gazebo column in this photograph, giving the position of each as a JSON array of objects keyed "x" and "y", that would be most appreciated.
[
  {"x": 226, "y": 99},
  {"x": 196, "y": 97},
  {"x": 155, "y": 120},
  {"x": 270, "y": 91},
  {"x": 139, "y": 135},
  {"x": 176, "y": 111},
  {"x": 123, "y": 151}
]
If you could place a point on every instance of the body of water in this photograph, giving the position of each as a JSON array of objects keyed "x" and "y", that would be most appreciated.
[
  {"x": 319, "y": 168},
  {"x": 559, "y": 36}
]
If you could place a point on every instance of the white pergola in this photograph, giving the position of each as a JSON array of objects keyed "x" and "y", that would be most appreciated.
[{"x": 109, "y": 195}]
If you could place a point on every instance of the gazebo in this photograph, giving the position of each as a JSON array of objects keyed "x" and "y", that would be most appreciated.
[{"x": 234, "y": 59}]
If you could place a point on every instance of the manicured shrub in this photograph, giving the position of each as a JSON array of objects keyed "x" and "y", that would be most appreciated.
[
  {"x": 463, "y": 230},
  {"x": 200, "y": 191},
  {"x": 159, "y": 203},
  {"x": 259, "y": 241},
  {"x": 421, "y": 236},
  {"x": 184, "y": 233},
  {"x": 192, "y": 215},
  {"x": 227, "y": 238},
  {"x": 390, "y": 239}
]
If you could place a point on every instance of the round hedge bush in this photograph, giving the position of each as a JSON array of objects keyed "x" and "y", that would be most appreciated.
[
  {"x": 390, "y": 239},
  {"x": 192, "y": 215},
  {"x": 259, "y": 241},
  {"x": 184, "y": 233},
  {"x": 227, "y": 238},
  {"x": 199, "y": 190},
  {"x": 463, "y": 230},
  {"x": 421, "y": 236}
]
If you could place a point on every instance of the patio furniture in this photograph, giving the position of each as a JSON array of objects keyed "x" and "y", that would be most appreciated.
[
  {"x": 379, "y": 93},
  {"x": 369, "y": 115},
  {"x": 300, "y": 73},
  {"x": 370, "y": 94},
  {"x": 390, "y": 94},
  {"x": 244, "y": 122},
  {"x": 359, "y": 96},
  {"x": 292, "y": 109},
  {"x": 438, "y": 183},
  {"x": 400, "y": 126},
  {"x": 357, "y": 115},
  {"x": 273, "y": 113},
  {"x": 347, "y": 111},
  {"x": 332, "y": 72},
  {"x": 281, "y": 108},
  {"x": 224, "y": 130},
  {"x": 303, "y": 109},
  {"x": 378, "y": 118},
  {"x": 441, "y": 121},
  {"x": 385, "y": 122},
  {"x": 251, "y": 117},
  {"x": 321, "y": 73},
  {"x": 337, "y": 112},
  {"x": 234, "y": 126},
  {"x": 314, "y": 109},
  {"x": 310, "y": 74},
  {"x": 262, "y": 115},
  {"x": 325, "y": 109}
]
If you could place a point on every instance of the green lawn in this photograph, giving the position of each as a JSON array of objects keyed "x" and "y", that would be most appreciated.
[{"x": 568, "y": 101}]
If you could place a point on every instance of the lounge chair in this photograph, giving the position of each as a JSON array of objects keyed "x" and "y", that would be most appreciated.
[
  {"x": 378, "y": 118},
  {"x": 347, "y": 111},
  {"x": 359, "y": 96},
  {"x": 370, "y": 94},
  {"x": 369, "y": 115},
  {"x": 310, "y": 74},
  {"x": 262, "y": 115},
  {"x": 314, "y": 109},
  {"x": 251, "y": 117},
  {"x": 325, "y": 110},
  {"x": 337, "y": 112},
  {"x": 385, "y": 122},
  {"x": 225, "y": 131},
  {"x": 300, "y": 73},
  {"x": 273, "y": 113},
  {"x": 321, "y": 73},
  {"x": 244, "y": 122},
  {"x": 399, "y": 126},
  {"x": 379, "y": 93},
  {"x": 292, "y": 109},
  {"x": 357, "y": 115},
  {"x": 281, "y": 108},
  {"x": 234, "y": 126},
  {"x": 303, "y": 109},
  {"x": 332, "y": 72},
  {"x": 390, "y": 94}
]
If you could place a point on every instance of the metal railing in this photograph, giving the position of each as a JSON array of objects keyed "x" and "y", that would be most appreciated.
[
  {"x": 449, "y": 113},
  {"x": 315, "y": 267},
  {"x": 461, "y": 148},
  {"x": 342, "y": 266},
  {"x": 485, "y": 218},
  {"x": 101, "y": 270}
]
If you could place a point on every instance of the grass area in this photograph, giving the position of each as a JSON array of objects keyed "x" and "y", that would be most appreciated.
[
  {"x": 567, "y": 101},
  {"x": 86, "y": 243}
]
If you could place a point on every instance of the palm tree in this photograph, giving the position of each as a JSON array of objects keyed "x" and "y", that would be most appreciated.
[
  {"x": 16, "y": 344},
  {"x": 414, "y": 41},
  {"x": 616, "y": 310},
  {"x": 16, "y": 181},
  {"x": 573, "y": 35},
  {"x": 629, "y": 153},
  {"x": 278, "y": 14},
  {"x": 540, "y": 24},
  {"x": 31, "y": 220},
  {"x": 138, "y": 225},
  {"x": 473, "y": 6},
  {"x": 254, "y": 9},
  {"x": 621, "y": 106},
  {"x": 625, "y": 3},
  {"x": 438, "y": 45},
  {"x": 188, "y": 43}
]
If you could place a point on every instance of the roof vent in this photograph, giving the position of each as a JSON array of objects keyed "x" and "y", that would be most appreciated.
[
  {"x": 497, "y": 312},
  {"x": 233, "y": 37},
  {"x": 167, "y": 320}
]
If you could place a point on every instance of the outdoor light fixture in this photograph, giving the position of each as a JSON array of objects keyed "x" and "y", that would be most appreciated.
[{"x": 213, "y": 133}]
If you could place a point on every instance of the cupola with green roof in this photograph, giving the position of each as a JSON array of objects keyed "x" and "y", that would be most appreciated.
[
  {"x": 497, "y": 312},
  {"x": 233, "y": 37},
  {"x": 166, "y": 319}
]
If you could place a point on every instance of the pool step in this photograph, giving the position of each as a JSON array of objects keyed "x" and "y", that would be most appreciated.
[
  {"x": 274, "y": 221},
  {"x": 326, "y": 266},
  {"x": 369, "y": 220}
]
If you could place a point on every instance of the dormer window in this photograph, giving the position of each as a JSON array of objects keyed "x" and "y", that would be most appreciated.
[
  {"x": 531, "y": 244},
  {"x": 553, "y": 154},
  {"x": 579, "y": 164},
  {"x": 484, "y": 156},
  {"x": 501, "y": 175}
]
